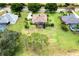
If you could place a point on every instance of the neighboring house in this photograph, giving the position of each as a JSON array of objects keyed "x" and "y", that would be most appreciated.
[
  {"x": 39, "y": 19},
  {"x": 7, "y": 18},
  {"x": 71, "y": 20}
]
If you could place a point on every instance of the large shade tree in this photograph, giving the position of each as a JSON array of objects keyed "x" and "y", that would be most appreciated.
[
  {"x": 67, "y": 4},
  {"x": 51, "y": 7},
  {"x": 8, "y": 43},
  {"x": 2, "y": 5},
  {"x": 34, "y": 7},
  {"x": 17, "y": 7}
]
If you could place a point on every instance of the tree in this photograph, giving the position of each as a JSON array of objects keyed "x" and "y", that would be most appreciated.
[
  {"x": 36, "y": 42},
  {"x": 2, "y": 5},
  {"x": 66, "y": 4},
  {"x": 34, "y": 7},
  {"x": 17, "y": 7},
  {"x": 8, "y": 43},
  {"x": 51, "y": 7}
]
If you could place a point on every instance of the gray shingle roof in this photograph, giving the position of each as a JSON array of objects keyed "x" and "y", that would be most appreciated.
[
  {"x": 69, "y": 19},
  {"x": 8, "y": 17}
]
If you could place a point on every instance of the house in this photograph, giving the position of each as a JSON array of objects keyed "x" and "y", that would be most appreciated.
[
  {"x": 39, "y": 19},
  {"x": 7, "y": 18},
  {"x": 72, "y": 21}
]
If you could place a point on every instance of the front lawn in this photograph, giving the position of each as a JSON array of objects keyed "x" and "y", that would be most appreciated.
[{"x": 61, "y": 42}]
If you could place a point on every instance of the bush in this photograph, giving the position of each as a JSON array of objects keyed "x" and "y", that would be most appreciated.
[
  {"x": 66, "y": 4},
  {"x": 52, "y": 25},
  {"x": 49, "y": 24},
  {"x": 26, "y": 25},
  {"x": 36, "y": 42},
  {"x": 63, "y": 27},
  {"x": 77, "y": 26},
  {"x": 60, "y": 5}
]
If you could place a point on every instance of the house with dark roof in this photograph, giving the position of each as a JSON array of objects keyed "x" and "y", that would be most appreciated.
[{"x": 39, "y": 19}]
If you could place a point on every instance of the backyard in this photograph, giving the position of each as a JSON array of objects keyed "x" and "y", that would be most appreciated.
[{"x": 61, "y": 42}]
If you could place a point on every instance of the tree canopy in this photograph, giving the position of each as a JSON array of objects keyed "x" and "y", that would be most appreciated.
[
  {"x": 8, "y": 43},
  {"x": 2, "y": 5},
  {"x": 34, "y": 7},
  {"x": 17, "y": 7},
  {"x": 51, "y": 7},
  {"x": 67, "y": 4}
]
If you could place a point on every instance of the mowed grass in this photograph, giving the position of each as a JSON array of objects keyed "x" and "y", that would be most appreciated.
[
  {"x": 19, "y": 26},
  {"x": 61, "y": 42},
  {"x": 65, "y": 39}
]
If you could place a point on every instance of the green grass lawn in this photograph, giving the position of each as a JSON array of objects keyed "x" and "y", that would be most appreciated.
[
  {"x": 19, "y": 26},
  {"x": 61, "y": 42}
]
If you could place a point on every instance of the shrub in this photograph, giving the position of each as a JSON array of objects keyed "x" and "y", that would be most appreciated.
[
  {"x": 27, "y": 25},
  {"x": 60, "y": 5},
  {"x": 52, "y": 25},
  {"x": 64, "y": 27},
  {"x": 49, "y": 23},
  {"x": 66, "y": 4},
  {"x": 77, "y": 26}
]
